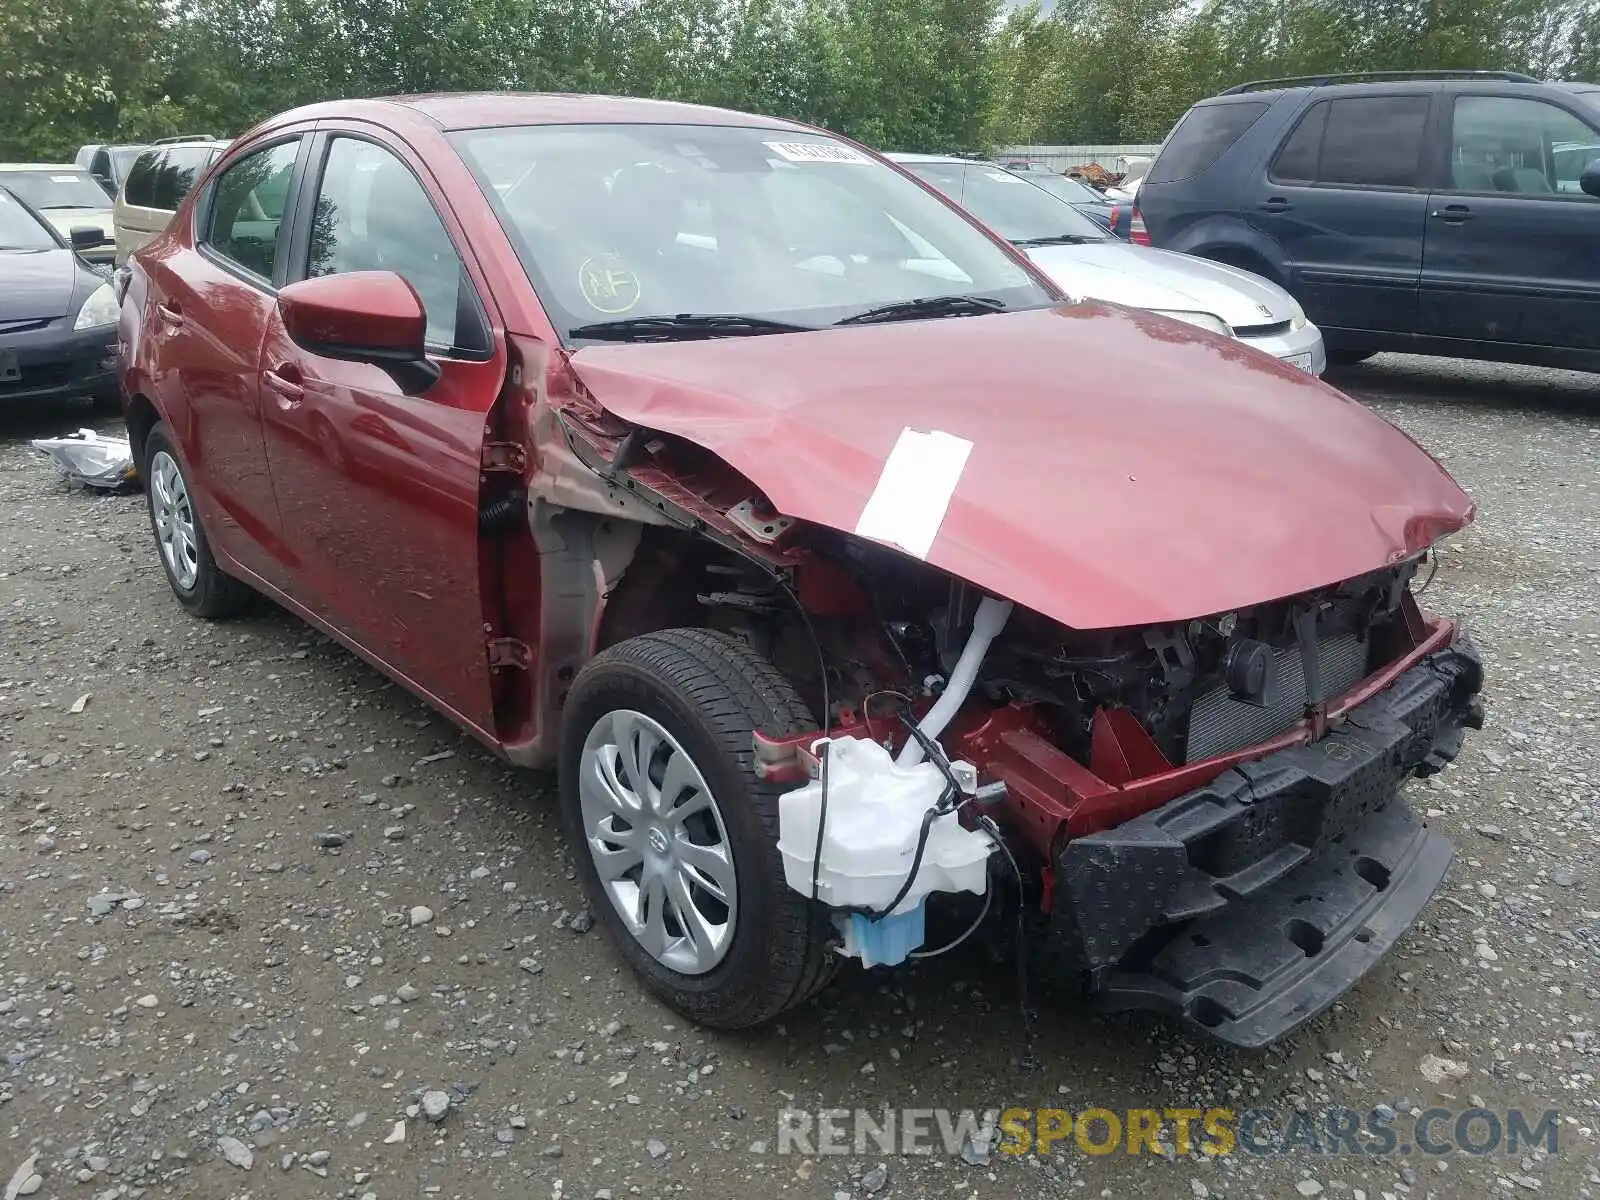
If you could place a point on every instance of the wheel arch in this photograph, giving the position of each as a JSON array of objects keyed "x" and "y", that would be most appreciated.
[
  {"x": 141, "y": 416},
  {"x": 1235, "y": 243}
]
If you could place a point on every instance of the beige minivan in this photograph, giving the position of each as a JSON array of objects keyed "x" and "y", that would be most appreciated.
[{"x": 156, "y": 184}]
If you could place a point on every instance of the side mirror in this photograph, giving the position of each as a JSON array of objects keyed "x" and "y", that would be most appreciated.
[
  {"x": 1589, "y": 181},
  {"x": 364, "y": 316},
  {"x": 86, "y": 237}
]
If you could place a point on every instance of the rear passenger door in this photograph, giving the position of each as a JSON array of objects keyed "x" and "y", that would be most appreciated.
[
  {"x": 1513, "y": 244},
  {"x": 211, "y": 304},
  {"x": 1344, "y": 197}
]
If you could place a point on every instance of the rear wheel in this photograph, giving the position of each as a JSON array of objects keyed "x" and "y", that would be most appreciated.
[
  {"x": 196, "y": 580},
  {"x": 676, "y": 840}
]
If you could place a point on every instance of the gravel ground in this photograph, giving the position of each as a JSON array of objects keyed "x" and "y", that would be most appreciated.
[{"x": 273, "y": 929}]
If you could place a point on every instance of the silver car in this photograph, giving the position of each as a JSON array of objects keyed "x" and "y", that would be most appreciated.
[{"x": 1087, "y": 262}]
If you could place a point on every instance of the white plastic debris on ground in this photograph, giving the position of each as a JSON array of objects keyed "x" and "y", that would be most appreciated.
[{"x": 90, "y": 458}]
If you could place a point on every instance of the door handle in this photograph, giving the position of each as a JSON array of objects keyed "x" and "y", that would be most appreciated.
[
  {"x": 170, "y": 315},
  {"x": 290, "y": 394},
  {"x": 1275, "y": 204},
  {"x": 1452, "y": 214}
]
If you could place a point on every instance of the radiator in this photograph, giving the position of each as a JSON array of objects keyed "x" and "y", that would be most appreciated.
[{"x": 1219, "y": 723}]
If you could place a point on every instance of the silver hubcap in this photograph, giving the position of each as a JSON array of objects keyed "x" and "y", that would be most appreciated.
[
  {"x": 169, "y": 504},
  {"x": 658, "y": 842}
]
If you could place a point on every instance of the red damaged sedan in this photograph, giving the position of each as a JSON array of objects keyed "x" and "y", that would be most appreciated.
[{"x": 718, "y": 463}]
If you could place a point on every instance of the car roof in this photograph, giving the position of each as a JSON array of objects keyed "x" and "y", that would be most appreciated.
[{"x": 477, "y": 110}]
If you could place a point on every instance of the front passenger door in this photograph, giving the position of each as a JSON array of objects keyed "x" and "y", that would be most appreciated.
[
  {"x": 1513, "y": 244},
  {"x": 379, "y": 489}
]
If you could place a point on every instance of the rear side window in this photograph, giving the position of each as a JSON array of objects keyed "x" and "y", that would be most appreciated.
[
  {"x": 247, "y": 208},
  {"x": 1202, "y": 137},
  {"x": 1297, "y": 158},
  {"x": 140, "y": 189},
  {"x": 1360, "y": 141},
  {"x": 176, "y": 175}
]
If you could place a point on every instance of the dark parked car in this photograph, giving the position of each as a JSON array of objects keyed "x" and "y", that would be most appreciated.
[
  {"x": 1446, "y": 213},
  {"x": 58, "y": 318},
  {"x": 660, "y": 442},
  {"x": 108, "y": 164}
]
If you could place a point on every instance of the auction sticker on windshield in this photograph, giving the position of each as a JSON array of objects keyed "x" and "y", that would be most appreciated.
[
  {"x": 822, "y": 152},
  {"x": 607, "y": 284}
]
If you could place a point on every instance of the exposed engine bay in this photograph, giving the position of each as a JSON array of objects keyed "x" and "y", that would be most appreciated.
[{"x": 892, "y": 626}]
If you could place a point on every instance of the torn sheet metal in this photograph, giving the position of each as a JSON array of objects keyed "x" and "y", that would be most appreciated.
[{"x": 90, "y": 458}]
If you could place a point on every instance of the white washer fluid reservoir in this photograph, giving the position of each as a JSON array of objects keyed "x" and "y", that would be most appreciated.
[{"x": 875, "y": 812}]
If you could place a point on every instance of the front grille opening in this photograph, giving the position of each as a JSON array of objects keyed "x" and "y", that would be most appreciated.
[
  {"x": 1220, "y": 723},
  {"x": 1270, "y": 330}
]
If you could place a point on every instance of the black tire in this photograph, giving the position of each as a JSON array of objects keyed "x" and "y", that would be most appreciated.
[
  {"x": 710, "y": 691},
  {"x": 1348, "y": 356},
  {"x": 213, "y": 594}
]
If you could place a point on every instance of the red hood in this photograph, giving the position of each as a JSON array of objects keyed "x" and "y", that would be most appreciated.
[{"x": 1125, "y": 470}]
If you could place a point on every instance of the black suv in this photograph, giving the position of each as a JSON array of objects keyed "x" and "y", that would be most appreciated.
[{"x": 1441, "y": 213}]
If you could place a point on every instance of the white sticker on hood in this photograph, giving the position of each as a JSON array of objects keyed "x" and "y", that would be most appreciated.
[{"x": 914, "y": 490}]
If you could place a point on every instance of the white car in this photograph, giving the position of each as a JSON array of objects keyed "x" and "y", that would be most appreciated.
[{"x": 1088, "y": 262}]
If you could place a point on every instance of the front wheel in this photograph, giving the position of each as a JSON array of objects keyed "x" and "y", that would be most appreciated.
[{"x": 675, "y": 838}]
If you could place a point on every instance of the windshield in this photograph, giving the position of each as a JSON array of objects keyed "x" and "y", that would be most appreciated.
[
  {"x": 1007, "y": 203},
  {"x": 1067, "y": 189},
  {"x": 20, "y": 230},
  {"x": 66, "y": 188},
  {"x": 620, "y": 222}
]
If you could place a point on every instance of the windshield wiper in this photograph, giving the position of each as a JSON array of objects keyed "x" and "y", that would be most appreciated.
[
  {"x": 680, "y": 327},
  {"x": 926, "y": 306},
  {"x": 1058, "y": 239},
  {"x": 65, "y": 206}
]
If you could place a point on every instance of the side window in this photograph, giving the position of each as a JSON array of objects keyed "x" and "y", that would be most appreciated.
[
  {"x": 1516, "y": 144},
  {"x": 1202, "y": 136},
  {"x": 176, "y": 175},
  {"x": 247, "y": 207},
  {"x": 140, "y": 189},
  {"x": 1374, "y": 141},
  {"x": 373, "y": 215},
  {"x": 1296, "y": 161}
]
